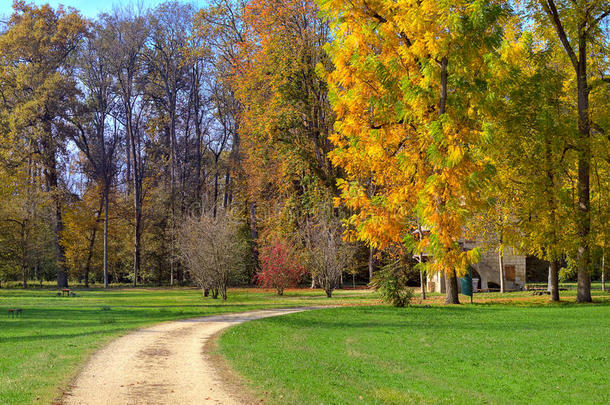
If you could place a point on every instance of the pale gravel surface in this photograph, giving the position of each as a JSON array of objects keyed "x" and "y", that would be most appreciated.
[{"x": 161, "y": 364}]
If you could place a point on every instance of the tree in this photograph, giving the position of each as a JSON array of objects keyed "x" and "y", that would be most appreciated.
[
  {"x": 285, "y": 115},
  {"x": 37, "y": 49},
  {"x": 577, "y": 27},
  {"x": 129, "y": 33},
  {"x": 402, "y": 122},
  {"x": 93, "y": 134},
  {"x": 280, "y": 267},
  {"x": 327, "y": 254},
  {"x": 211, "y": 249},
  {"x": 530, "y": 145},
  {"x": 391, "y": 282}
]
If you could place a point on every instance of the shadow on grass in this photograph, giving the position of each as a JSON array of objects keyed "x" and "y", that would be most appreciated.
[
  {"x": 34, "y": 338},
  {"x": 439, "y": 318}
]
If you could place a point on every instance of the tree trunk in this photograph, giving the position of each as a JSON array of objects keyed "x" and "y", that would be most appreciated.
[
  {"x": 554, "y": 280},
  {"x": 583, "y": 215},
  {"x": 451, "y": 288},
  {"x": 137, "y": 197},
  {"x": 502, "y": 276},
  {"x": 52, "y": 181},
  {"x": 92, "y": 242},
  {"x": 225, "y": 202},
  {"x": 128, "y": 161},
  {"x": 329, "y": 293},
  {"x": 106, "y": 235},
  {"x": 215, "y": 191},
  {"x": 583, "y": 220},
  {"x": 603, "y": 270},
  {"x": 422, "y": 283},
  {"x": 24, "y": 251},
  {"x": 371, "y": 263},
  {"x": 254, "y": 234}
]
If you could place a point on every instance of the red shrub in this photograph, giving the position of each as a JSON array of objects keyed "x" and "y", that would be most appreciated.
[{"x": 280, "y": 268}]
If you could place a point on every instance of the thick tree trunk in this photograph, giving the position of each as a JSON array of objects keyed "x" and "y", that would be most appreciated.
[
  {"x": 584, "y": 163},
  {"x": 451, "y": 288},
  {"x": 554, "y": 280}
]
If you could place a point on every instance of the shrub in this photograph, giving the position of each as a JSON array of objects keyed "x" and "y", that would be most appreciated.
[
  {"x": 327, "y": 253},
  {"x": 391, "y": 283},
  {"x": 280, "y": 268},
  {"x": 210, "y": 248}
]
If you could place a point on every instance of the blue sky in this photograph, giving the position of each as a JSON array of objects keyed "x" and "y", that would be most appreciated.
[{"x": 89, "y": 8}]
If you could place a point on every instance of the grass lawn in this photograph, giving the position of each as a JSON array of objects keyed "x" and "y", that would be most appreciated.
[
  {"x": 485, "y": 353},
  {"x": 42, "y": 351}
]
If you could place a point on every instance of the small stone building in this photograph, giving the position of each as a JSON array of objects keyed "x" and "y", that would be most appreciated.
[{"x": 486, "y": 273}]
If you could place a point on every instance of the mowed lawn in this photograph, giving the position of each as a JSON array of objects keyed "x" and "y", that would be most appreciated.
[
  {"x": 486, "y": 353},
  {"x": 41, "y": 351}
]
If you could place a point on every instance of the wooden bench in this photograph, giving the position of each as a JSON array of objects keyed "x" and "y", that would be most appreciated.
[
  {"x": 13, "y": 312},
  {"x": 65, "y": 291}
]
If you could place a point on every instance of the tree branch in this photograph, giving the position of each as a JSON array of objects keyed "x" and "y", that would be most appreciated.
[{"x": 549, "y": 7}]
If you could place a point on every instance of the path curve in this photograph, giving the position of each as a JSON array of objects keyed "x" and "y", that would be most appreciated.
[{"x": 161, "y": 364}]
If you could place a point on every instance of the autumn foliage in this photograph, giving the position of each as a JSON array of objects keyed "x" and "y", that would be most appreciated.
[{"x": 280, "y": 267}]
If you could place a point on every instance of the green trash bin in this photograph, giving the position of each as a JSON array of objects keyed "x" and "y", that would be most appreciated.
[{"x": 466, "y": 284}]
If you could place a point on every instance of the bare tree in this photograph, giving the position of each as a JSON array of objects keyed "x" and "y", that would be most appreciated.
[
  {"x": 327, "y": 253},
  {"x": 209, "y": 246}
]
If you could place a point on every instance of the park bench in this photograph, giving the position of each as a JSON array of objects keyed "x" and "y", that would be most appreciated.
[
  {"x": 13, "y": 312},
  {"x": 66, "y": 291}
]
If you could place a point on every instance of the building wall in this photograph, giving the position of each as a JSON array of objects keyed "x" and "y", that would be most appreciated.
[{"x": 488, "y": 269}]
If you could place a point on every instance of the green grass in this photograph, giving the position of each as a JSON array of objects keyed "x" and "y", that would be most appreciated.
[
  {"x": 486, "y": 353},
  {"x": 42, "y": 351}
]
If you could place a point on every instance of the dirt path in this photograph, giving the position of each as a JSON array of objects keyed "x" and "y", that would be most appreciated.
[{"x": 162, "y": 364}]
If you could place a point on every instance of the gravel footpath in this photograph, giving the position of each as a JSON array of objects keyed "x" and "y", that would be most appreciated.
[{"x": 161, "y": 364}]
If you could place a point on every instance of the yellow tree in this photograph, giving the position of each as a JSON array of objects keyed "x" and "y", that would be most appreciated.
[
  {"x": 36, "y": 50},
  {"x": 576, "y": 30},
  {"x": 408, "y": 82},
  {"x": 530, "y": 145}
]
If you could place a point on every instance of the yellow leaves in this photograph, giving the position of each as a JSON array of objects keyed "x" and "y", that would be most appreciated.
[{"x": 455, "y": 154}]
